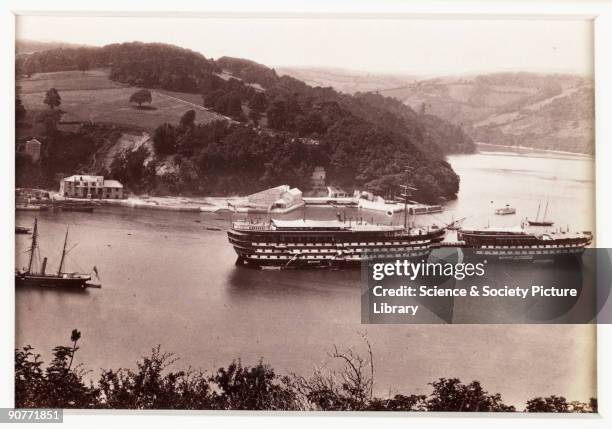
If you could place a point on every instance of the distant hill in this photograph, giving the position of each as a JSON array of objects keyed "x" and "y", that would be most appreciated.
[
  {"x": 24, "y": 46},
  {"x": 276, "y": 128},
  {"x": 543, "y": 111},
  {"x": 347, "y": 81}
]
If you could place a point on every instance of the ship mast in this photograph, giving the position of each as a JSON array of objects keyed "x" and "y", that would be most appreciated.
[
  {"x": 61, "y": 265},
  {"x": 538, "y": 214},
  {"x": 34, "y": 244},
  {"x": 406, "y": 188},
  {"x": 545, "y": 211}
]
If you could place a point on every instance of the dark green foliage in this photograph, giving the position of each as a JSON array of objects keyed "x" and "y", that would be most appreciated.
[
  {"x": 156, "y": 65},
  {"x": 257, "y": 388},
  {"x": 550, "y": 404},
  {"x": 258, "y": 102},
  {"x": 188, "y": 119},
  {"x": 52, "y": 98},
  {"x": 400, "y": 403},
  {"x": 20, "y": 110},
  {"x": 164, "y": 139},
  {"x": 83, "y": 63},
  {"x": 59, "y": 385},
  {"x": 48, "y": 121},
  {"x": 278, "y": 116},
  {"x": 229, "y": 104},
  {"x": 141, "y": 96},
  {"x": 151, "y": 65},
  {"x": 249, "y": 71},
  {"x": 154, "y": 384},
  {"x": 452, "y": 395},
  {"x": 129, "y": 168}
]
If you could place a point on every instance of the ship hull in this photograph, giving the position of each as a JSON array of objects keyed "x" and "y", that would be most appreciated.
[
  {"x": 519, "y": 254},
  {"x": 323, "y": 249},
  {"x": 51, "y": 281},
  {"x": 523, "y": 247}
]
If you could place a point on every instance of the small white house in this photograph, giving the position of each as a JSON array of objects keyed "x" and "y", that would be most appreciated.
[{"x": 335, "y": 192}]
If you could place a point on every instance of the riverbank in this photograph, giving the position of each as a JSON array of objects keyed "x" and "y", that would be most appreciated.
[
  {"x": 532, "y": 149},
  {"x": 182, "y": 204}
]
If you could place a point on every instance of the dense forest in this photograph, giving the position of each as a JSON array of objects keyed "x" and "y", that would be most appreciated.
[
  {"x": 278, "y": 128},
  {"x": 345, "y": 384}
]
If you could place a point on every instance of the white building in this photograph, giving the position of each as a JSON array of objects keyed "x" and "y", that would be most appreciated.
[
  {"x": 279, "y": 197},
  {"x": 336, "y": 192},
  {"x": 87, "y": 186}
]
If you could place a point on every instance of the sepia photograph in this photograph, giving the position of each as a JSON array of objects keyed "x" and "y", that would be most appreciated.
[{"x": 199, "y": 198}]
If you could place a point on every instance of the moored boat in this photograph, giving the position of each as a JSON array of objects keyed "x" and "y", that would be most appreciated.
[
  {"x": 507, "y": 210},
  {"x": 22, "y": 230},
  {"x": 311, "y": 243},
  {"x": 519, "y": 243},
  {"x": 543, "y": 221},
  {"x": 31, "y": 276}
]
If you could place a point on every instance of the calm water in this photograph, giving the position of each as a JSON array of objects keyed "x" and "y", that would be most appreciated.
[{"x": 167, "y": 280}]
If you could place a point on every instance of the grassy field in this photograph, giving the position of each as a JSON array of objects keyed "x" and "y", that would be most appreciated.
[{"x": 91, "y": 96}]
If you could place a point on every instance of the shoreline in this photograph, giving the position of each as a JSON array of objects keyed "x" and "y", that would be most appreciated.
[{"x": 551, "y": 151}]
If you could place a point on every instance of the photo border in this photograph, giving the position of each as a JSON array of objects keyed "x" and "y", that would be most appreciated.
[{"x": 600, "y": 11}]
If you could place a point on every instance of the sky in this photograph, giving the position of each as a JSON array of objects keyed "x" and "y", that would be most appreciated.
[{"x": 380, "y": 45}]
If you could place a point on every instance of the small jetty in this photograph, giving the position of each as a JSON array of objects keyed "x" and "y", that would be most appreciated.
[
  {"x": 504, "y": 211},
  {"x": 73, "y": 206}
]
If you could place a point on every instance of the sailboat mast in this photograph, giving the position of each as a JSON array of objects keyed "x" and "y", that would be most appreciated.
[
  {"x": 405, "y": 206},
  {"x": 34, "y": 244},
  {"x": 545, "y": 212},
  {"x": 538, "y": 214},
  {"x": 61, "y": 265}
]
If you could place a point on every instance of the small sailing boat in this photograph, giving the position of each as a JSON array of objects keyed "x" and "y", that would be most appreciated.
[
  {"x": 32, "y": 277},
  {"x": 22, "y": 230},
  {"x": 543, "y": 221}
]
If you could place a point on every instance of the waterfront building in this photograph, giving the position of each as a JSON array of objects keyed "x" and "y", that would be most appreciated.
[
  {"x": 336, "y": 192},
  {"x": 278, "y": 197},
  {"x": 88, "y": 186}
]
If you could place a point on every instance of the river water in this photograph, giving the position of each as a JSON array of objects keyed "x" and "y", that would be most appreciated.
[{"x": 168, "y": 280}]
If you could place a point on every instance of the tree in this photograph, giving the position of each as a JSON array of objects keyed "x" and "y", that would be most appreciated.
[
  {"x": 188, "y": 119},
  {"x": 141, "y": 96},
  {"x": 52, "y": 98},
  {"x": 164, "y": 139},
  {"x": 20, "y": 111},
  {"x": 49, "y": 120},
  {"x": 256, "y": 388},
  {"x": 549, "y": 404},
  {"x": 452, "y": 395},
  {"x": 60, "y": 385},
  {"x": 258, "y": 102},
  {"x": 278, "y": 117},
  {"x": 255, "y": 116},
  {"x": 83, "y": 62}
]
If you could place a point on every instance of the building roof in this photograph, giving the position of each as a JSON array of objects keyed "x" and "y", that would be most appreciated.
[
  {"x": 34, "y": 141},
  {"x": 295, "y": 191},
  {"x": 83, "y": 177},
  {"x": 332, "y": 188},
  {"x": 112, "y": 184}
]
